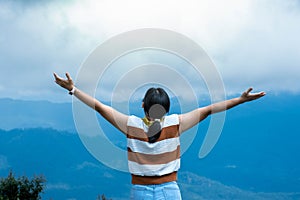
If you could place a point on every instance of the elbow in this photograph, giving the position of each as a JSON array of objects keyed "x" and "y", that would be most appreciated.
[
  {"x": 204, "y": 113},
  {"x": 207, "y": 111},
  {"x": 98, "y": 107}
]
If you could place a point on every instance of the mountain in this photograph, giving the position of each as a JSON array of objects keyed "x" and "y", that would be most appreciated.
[
  {"x": 258, "y": 149},
  {"x": 72, "y": 173},
  {"x": 196, "y": 187},
  {"x": 256, "y": 157},
  {"x": 33, "y": 114}
]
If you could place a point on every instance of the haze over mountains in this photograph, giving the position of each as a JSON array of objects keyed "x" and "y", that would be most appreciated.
[{"x": 257, "y": 156}]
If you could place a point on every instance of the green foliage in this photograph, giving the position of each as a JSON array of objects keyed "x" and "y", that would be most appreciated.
[{"x": 12, "y": 188}]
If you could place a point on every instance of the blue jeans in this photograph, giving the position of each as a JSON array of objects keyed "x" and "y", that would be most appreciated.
[{"x": 164, "y": 191}]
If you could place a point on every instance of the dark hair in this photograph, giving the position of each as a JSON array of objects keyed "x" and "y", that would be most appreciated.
[{"x": 156, "y": 105}]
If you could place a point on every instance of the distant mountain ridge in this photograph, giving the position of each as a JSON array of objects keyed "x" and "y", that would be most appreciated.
[
  {"x": 72, "y": 173},
  {"x": 196, "y": 187},
  {"x": 256, "y": 157},
  {"x": 35, "y": 114}
]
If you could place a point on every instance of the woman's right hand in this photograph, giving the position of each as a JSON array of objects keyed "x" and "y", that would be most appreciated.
[
  {"x": 65, "y": 83},
  {"x": 116, "y": 118}
]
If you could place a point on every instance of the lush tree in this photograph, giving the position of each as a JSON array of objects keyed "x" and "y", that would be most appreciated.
[
  {"x": 9, "y": 188},
  {"x": 12, "y": 188}
]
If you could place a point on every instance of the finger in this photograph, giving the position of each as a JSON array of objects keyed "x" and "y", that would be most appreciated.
[
  {"x": 249, "y": 90},
  {"x": 56, "y": 77},
  {"x": 262, "y": 93},
  {"x": 68, "y": 76},
  {"x": 258, "y": 95}
]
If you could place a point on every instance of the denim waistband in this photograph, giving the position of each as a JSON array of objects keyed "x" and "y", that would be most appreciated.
[{"x": 156, "y": 185}]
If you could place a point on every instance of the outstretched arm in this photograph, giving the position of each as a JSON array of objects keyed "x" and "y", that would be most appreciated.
[
  {"x": 190, "y": 119},
  {"x": 117, "y": 119}
]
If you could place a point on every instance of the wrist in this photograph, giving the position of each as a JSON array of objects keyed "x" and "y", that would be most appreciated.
[
  {"x": 242, "y": 100},
  {"x": 72, "y": 91}
]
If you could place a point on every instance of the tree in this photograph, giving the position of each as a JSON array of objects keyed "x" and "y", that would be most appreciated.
[
  {"x": 21, "y": 188},
  {"x": 9, "y": 188}
]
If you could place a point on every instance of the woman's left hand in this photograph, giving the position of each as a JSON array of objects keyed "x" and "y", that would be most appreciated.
[{"x": 247, "y": 96}]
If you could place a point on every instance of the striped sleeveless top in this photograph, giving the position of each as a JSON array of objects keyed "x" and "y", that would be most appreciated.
[{"x": 153, "y": 163}]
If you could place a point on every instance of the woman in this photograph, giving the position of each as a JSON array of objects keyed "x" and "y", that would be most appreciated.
[{"x": 153, "y": 141}]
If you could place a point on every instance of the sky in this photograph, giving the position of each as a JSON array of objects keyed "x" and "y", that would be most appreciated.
[{"x": 251, "y": 42}]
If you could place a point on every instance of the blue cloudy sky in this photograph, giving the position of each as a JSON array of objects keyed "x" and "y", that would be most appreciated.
[{"x": 252, "y": 42}]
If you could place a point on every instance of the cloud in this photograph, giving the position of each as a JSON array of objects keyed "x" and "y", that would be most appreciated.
[
  {"x": 36, "y": 42},
  {"x": 3, "y": 162},
  {"x": 265, "y": 54},
  {"x": 253, "y": 43},
  {"x": 65, "y": 186},
  {"x": 231, "y": 166},
  {"x": 87, "y": 164},
  {"x": 58, "y": 186}
]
